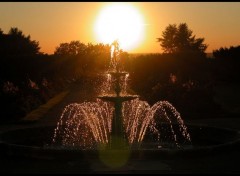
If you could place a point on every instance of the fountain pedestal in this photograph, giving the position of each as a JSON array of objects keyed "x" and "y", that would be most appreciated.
[{"x": 118, "y": 138}]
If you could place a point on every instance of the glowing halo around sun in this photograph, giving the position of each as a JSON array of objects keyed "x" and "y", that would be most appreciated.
[{"x": 121, "y": 22}]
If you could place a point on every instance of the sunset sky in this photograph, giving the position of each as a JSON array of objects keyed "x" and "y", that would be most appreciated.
[{"x": 52, "y": 23}]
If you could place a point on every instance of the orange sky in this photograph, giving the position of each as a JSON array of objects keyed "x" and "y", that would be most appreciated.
[{"x": 52, "y": 23}]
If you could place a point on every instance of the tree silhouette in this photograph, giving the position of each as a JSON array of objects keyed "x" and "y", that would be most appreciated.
[
  {"x": 73, "y": 48},
  {"x": 16, "y": 43},
  {"x": 97, "y": 49},
  {"x": 227, "y": 53},
  {"x": 179, "y": 39}
]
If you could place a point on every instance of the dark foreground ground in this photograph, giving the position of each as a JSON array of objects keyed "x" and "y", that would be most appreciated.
[{"x": 226, "y": 161}]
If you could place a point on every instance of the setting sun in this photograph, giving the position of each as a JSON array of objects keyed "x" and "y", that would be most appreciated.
[{"x": 120, "y": 22}]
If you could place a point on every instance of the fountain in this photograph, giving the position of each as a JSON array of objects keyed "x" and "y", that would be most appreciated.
[
  {"x": 116, "y": 127},
  {"x": 118, "y": 120}
]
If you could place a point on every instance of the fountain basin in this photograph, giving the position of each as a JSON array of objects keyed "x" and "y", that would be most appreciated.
[{"x": 35, "y": 143}]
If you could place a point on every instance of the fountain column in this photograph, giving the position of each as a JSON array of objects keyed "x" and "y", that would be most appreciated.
[{"x": 117, "y": 137}]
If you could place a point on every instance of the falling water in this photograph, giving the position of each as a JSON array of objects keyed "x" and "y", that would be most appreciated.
[
  {"x": 84, "y": 125},
  {"x": 88, "y": 124}
]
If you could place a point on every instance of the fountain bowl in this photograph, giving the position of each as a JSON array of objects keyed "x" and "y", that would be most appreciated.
[{"x": 34, "y": 142}]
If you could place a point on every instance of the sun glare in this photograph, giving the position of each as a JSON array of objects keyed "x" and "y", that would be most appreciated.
[{"x": 121, "y": 22}]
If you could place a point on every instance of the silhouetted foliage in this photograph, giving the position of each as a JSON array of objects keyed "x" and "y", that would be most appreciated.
[
  {"x": 227, "y": 53},
  {"x": 81, "y": 57},
  {"x": 181, "y": 76},
  {"x": 16, "y": 43},
  {"x": 176, "y": 39},
  {"x": 73, "y": 48},
  {"x": 227, "y": 63},
  {"x": 185, "y": 82}
]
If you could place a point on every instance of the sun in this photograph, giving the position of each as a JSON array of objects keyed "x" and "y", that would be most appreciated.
[{"x": 121, "y": 22}]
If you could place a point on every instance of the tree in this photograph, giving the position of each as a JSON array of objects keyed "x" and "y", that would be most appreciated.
[
  {"x": 73, "y": 48},
  {"x": 176, "y": 39},
  {"x": 227, "y": 53},
  {"x": 16, "y": 43}
]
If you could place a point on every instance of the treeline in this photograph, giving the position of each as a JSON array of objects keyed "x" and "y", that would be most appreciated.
[
  {"x": 185, "y": 80},
  {"x": 29, "y": 78}
]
